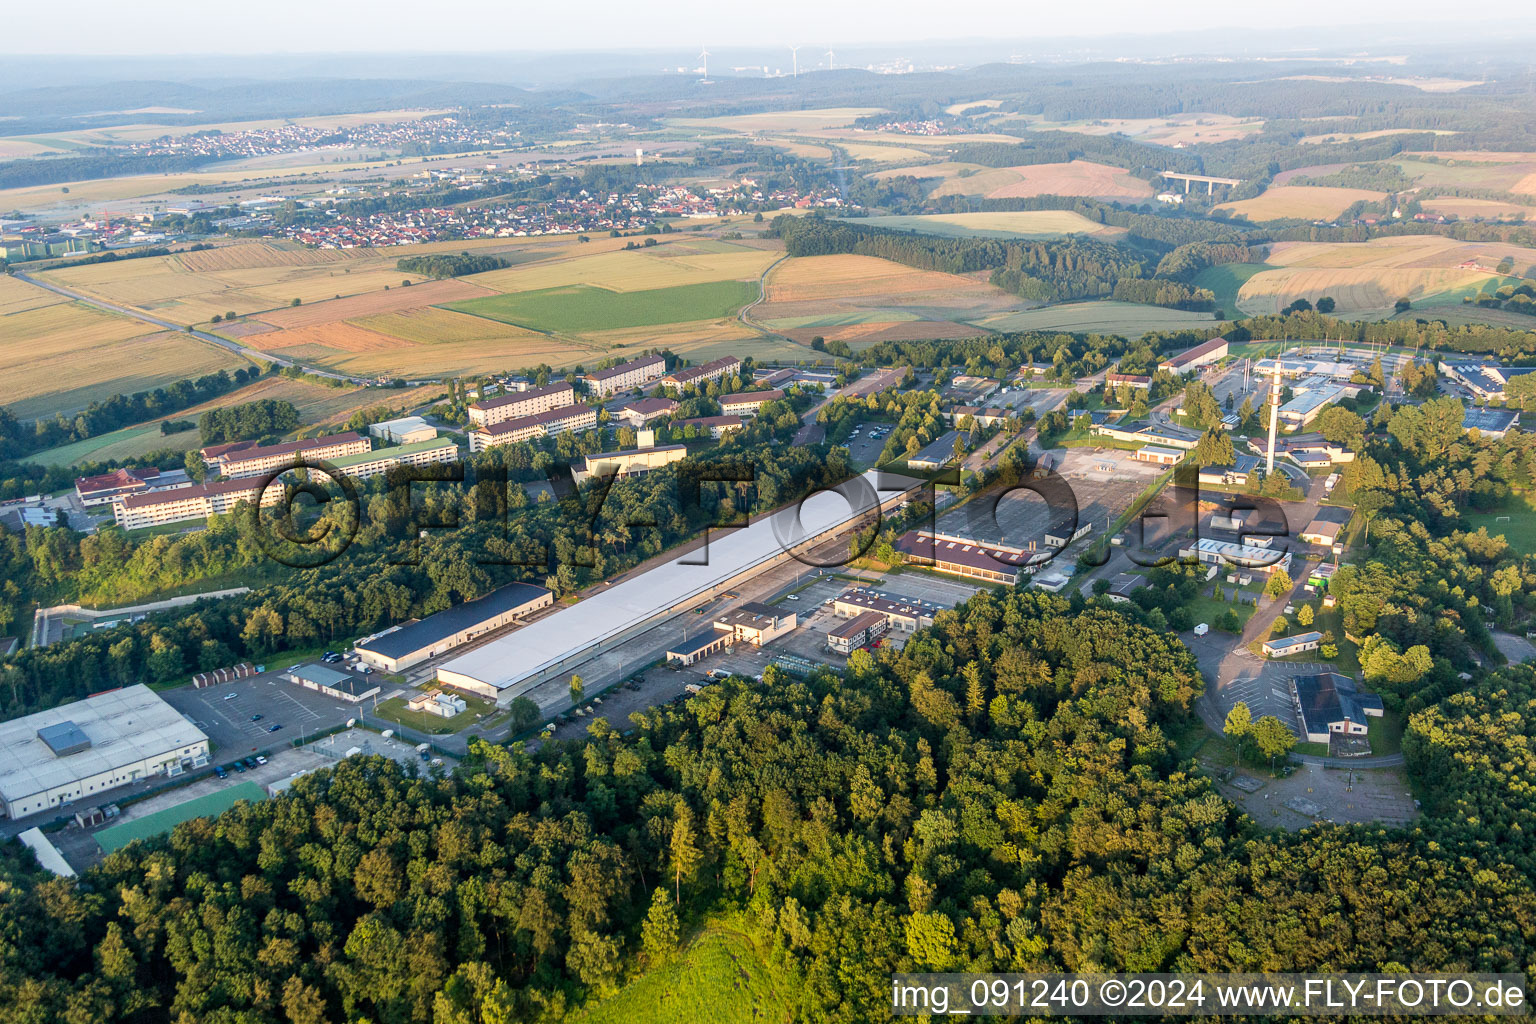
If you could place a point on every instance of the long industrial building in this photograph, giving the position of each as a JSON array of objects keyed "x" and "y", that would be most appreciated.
[
  {"x": 399, "y": 647},
  {"x": 104, "y": 741},
  {"x": 509, "y": 666}
]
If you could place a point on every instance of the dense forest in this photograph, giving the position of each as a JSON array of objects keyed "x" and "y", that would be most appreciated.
[{"x": 1002, "y": 794}]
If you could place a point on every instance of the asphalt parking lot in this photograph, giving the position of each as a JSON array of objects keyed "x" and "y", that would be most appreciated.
[
  {"x": 224, "y": 712},
  {"x": 1265, "y": 687}
]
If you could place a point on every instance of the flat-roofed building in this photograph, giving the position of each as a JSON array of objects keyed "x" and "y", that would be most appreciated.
[
  {"x": 1169, "y": 435},
  {"x": 333, "y": 683},
  {"x": 636, "y": 373},
  {"x": 521, "y": 404},
  {"x": 1158, "y": 455},
  {"x": 747, "y": 402},
  {"x": 1281, "y": 647},
  {"x": 699, "y": 646},
  {"x": 697, "y": 376},
  {"x": 87, "y": 747},
  {"x": 1307, "y": 406},
  {"x": 716, "y": 426},
  {"x": 1490, "y": 423},
  {"x": 645, "y": 410},
  {"x": 157, "y": 508},
  {"x": 411, "y": 643},
  {"x": 906, "y": 614},
  {"x": 272, "y": 458},
  {"x": 982, "y": 416},
  {"x": 436, "y": 702},
  {"x": 405, "y": 430},
  {"x": 846, "y": 637},
  {"x": 634, "y": 462},
  {"x": 374, "y": 463},
  {"x": 1236, "y": 475},
  {"x": 1203, "y": 354},
  {"x": 756, "y": 623},
  {"x": 544, "y": 424},
  {"x": 1243, "y": 556}
]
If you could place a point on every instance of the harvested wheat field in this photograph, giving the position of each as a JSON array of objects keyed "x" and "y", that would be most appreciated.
[
  {"x": 1489, "y": 209},
  {"x": 817, "y": 278},
  {"x": 1076, "y": 178},
  {"x": 662, "y": 266},
  {"x": 432, "y": 326},
  {"x": 1000, "y": 224},
  {"x": 1369, "y": 277},
  {"x": 248, "y": 255},
  {"x": 699, "y": 341},
  {"x": 166, "y": 287},
  {"x": 18, "y": 296},
  {"x": 62, "y": 357},
  {"x": 373, "y": 303},
  {"x": 1307, "y": 202},
  {"x": 335, "y": 337},
  {"x": 1163, "y": 131},
  {"x": 1502, "y": 172}
]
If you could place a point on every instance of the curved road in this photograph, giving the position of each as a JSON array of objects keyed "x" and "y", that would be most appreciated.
[{"x": 139, "y": 314}]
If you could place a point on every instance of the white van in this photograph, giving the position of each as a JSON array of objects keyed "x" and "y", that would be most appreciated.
[
  {"x": 1202, "y": 629},
  {"x": 230, "y": 696}
]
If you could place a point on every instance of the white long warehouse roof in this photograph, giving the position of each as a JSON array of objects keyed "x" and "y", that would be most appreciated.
[{"x": 542, "y": 646}]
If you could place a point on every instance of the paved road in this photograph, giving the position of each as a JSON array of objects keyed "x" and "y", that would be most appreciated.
[
  {"x": 745, "y": 316},
  {"x": 224, "y": 343}
]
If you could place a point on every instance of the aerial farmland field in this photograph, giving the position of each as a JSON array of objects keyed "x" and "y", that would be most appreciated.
[
  {"x": 1128, "y": 319},
  {"x": 63, "y": 356},
  {"x": 581, "y": 308},
  {"x": 1075, "y": 178},
  {"x": 1308, "y": 202},
  {"x": 1367, "y": 278},
  {"x": 1017, "y": 224}
]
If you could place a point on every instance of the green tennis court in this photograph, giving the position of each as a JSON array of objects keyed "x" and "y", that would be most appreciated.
[{"x": 161, "y": 822}]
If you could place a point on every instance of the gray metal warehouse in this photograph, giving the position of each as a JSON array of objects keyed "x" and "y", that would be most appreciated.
[
  {"x": 511, "y": 665},
  {"x": 411, "y": 643}
]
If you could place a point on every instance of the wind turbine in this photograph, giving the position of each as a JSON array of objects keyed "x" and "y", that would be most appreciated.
[
  {"x": 704, "y": 57},
  {"x": 794, "y": 53},
  {"x": 830, "y": 65}
]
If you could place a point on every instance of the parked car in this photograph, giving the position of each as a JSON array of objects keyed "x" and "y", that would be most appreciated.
[
  {"x": 260, "y": 759},
  {"x": 257, "y": 718},
  {"x": 366, "y": 670},
  {"x": 220, "y": 772},
  {"x": 274, "y": 727},
  {"x": 237, "y": 766}
]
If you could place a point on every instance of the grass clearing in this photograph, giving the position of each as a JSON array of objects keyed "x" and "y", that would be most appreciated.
[
  {"x": 1227, "y": 280},
  {"x": 1018, "y": 224},
  {"x": 128, "y": 443},
  {"x": 720, "y": 978},
  {"x": 586, "y": 308},
  {"x": 478, "y": 710}
]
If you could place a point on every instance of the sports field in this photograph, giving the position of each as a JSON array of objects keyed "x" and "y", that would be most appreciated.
[
  {"x": 720, "y": 978},
  {"x": 1308, "y": 202},
  {"x": 1018, "y": 224},
  {"x": 588, "y": 308},
  {"x": 161, "y": 822}
]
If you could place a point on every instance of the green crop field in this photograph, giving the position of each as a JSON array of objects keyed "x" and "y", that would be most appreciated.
[
  {"x": 128, "y": 443},
  {"x": 1226, "y": 280},
  {"x": 585, "y": 308},
  {"x": 161, "y": 822},
  {"x": 1125, "y": 318},
  {"x": 718, "y": 979}
]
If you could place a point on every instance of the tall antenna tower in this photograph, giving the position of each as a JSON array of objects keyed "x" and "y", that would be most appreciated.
[
  {"x": 794, "y": 56},
  {"x": 1274, "y": 413}
]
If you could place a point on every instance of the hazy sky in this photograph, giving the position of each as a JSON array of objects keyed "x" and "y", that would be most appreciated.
[{"x": 330, "y": 26}]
